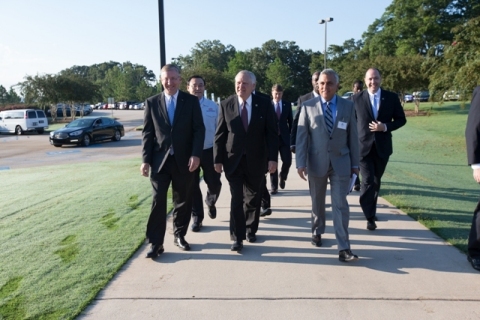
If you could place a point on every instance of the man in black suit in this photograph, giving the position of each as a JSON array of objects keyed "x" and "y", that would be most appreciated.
[
  {"x": 246, "y": 138},
  {"x": 379, "y": 112},
  {"x": 283, "y": 110},
  {"x": 173, "y": 136},
  {"x": 472, "y": 137},
  {"x": 301, "y": 100}
]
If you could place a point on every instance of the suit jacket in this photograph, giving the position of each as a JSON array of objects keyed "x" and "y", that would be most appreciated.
[
  {"x": 390, "y": 112},
  {"x": 285, "y": 122},
  {"x": 301, "y": 100},
  {"x": 316, "y": 149},
  {"x": 187, "y": 133},
  {"x": 472, "y": 130},
  {"x": 259, "y": 142}
]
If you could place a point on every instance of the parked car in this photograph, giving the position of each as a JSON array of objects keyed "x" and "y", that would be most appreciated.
[
  {"x": 421, "y": 96},
  {"x": 347, "y": 95},
  {"x": 451, "y": 95},
  {"x": 23, "y": 120},
  {"x": 85, "y": 131},
  {"x": 408, "y": 97}
]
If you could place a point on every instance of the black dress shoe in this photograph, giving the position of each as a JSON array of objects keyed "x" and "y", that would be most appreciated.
[
  {"x": 317, "y": 240},
  {"x": 181, "y": 243},
  {"x": 282, "y": 183},
  {"x": 274, "y": 191},
  {"x": 155, "y": 251},
  {"x": 266, "y": 212},
  {"x": 237, "y": 246},
  {"x": 212, "y": 211},
  {"x": 371, "y": 225},
  {"x": 251, "y": 237},
  {"x": 475, "y": 262},
  {"x": 347, "y": 256},
  {"x": 196, "y": 226}
]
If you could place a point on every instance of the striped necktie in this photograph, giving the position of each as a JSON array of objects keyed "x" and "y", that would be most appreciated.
[{"x": 329, "y": 118}]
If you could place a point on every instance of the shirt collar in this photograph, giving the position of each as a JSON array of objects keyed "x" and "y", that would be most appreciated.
[
  {"x": 175, "y": 96},
  {"x": 249, "y": 100},
  {"x": 332, "y": 101}
]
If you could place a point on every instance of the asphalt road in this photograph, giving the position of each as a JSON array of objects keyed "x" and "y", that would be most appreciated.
[{"x": 32, "y": 149}]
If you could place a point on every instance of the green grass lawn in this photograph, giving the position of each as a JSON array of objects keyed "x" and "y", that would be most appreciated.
[
  {"x": 428, "y": 176},
  {"x": 65, "y": 231}
]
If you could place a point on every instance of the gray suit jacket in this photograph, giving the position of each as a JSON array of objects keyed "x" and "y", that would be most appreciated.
[{"x": 317, "y": 149}]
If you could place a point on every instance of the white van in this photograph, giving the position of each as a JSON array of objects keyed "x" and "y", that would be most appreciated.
[{"x": 23, "y": 120}]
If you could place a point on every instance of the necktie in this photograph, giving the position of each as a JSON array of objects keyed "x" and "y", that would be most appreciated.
[
  {"x": 244, "y": 115},
  {"x": 374, "y": 109},
  {"x": 279, "y": 113},
  {"x": 329, "y": 118},
  {"x": 171, "y": 110}
]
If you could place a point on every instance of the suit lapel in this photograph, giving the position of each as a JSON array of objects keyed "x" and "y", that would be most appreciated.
[
  {"x": 162, "y": 107},
  {"x": 178, "y": 107},
  {"x": 255, "y": 111}
]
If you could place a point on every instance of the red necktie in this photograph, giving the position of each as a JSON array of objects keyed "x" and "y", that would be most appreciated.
[{"x": 244, "y": 115}]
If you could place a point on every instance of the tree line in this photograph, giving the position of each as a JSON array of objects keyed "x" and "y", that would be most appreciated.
[{"x": 417, "y": 45}]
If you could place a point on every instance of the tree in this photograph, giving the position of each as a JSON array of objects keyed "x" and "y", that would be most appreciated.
[
  {"x": 422, "y": 27},
  {"x": 278, "y": 72},
  {"x": 207, "y": 54},
  {"x": 49, "y": 90},
  {"x": 459, "y": 68}
]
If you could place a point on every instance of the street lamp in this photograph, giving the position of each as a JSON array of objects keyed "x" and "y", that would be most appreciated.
[
  {"x": 161, "y": 27},
  {"x": 325, "y": 55}
]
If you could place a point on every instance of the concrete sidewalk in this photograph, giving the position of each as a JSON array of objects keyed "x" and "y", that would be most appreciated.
[{"x": 405, "y": 271}]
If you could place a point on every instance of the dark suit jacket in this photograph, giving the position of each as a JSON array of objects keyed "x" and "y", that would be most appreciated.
[
  {"x": 260, "y": 142},
  {"x": 285, "y": 122},
  {"x": 390, "y": 112},
  {"x": 472, "y": 135},
  {"x": 186, "y": 135},
  {"x": 302, "y": 99}
]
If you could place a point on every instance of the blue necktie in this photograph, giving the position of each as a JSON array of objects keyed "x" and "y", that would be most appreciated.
[
  {"x": 374, "y": 109},
  {"x": 329, "y": 118},
  {"x": 171, "y": 110}
]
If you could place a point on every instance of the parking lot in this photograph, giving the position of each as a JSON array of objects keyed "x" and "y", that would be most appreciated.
[{"x": 32, "y": 149}]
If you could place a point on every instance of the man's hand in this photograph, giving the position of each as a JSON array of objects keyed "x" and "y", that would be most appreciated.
[
  {"x": 476, "y": 175},
  {"x": 376, "y": 126},
  {"x": 218, "y": 167},
  {"x": 193, "y": 163},
  {"x": 302, "y": 172},
  {"x": 144, "y": 169},
  {"x": 272, "y": 166},
  {"x": 356, "y": 171},
  {"x": 292, "y": 149}
]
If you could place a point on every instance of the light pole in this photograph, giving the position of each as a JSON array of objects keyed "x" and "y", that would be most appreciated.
[
  {"x": 325, "y": 54},
  {"x": 161, "y": 27}
]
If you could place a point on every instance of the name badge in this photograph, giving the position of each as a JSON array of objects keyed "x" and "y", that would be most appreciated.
[{"x": 342, "y": 125}]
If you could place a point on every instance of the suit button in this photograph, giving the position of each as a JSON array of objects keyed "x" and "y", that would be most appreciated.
[{"x": 330, "y": 138}]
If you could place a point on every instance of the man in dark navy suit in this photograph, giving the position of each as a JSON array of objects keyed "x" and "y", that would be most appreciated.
[
  {"x": 246, "y": 145},
  {"x": 379, "y": 112},
  {"x": 173, "y": 136},
  {"x": 473, "y": 154}
]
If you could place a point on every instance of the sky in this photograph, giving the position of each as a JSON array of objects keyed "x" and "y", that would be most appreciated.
[{"x": 47, "y": 36}]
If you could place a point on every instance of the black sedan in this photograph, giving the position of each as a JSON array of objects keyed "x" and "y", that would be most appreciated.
[{"x": 84, "y": 131}]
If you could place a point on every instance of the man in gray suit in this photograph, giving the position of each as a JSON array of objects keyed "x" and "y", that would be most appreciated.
[{"x": 327, "y": 149}]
